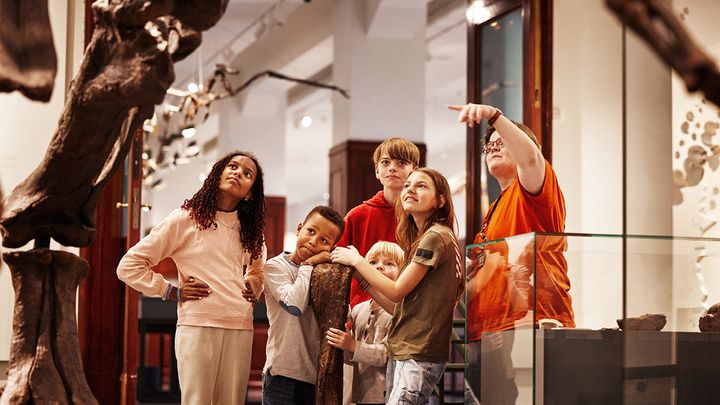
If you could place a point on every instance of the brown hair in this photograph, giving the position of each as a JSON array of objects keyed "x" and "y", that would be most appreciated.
[
  {"x": 490, "y": 130},
  {"x": 407, "y": 232},
  {"x": 251, "y": 212},
  {"x": 331, "y": 215},
  {"x": 398, "y": 148}
]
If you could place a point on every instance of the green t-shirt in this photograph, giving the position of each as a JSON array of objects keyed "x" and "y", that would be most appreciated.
[{"x": 422, "y": 324}]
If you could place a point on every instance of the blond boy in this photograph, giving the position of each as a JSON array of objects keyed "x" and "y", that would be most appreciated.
[{"x": 365, "y": 348}]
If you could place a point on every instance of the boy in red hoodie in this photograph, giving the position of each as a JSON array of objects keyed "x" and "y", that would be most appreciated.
[{"x": 374, "y": 220}]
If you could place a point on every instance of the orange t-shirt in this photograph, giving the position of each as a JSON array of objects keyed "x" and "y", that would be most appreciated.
[{"x": 507, "y": 295}]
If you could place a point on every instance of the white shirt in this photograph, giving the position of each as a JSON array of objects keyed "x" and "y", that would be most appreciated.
[{"x": 293, "y": 344}]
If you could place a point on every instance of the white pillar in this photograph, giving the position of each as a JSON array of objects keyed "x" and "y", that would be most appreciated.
[
  {"x": 255, "y": 122},
  {"x": 380, "y": 54}
]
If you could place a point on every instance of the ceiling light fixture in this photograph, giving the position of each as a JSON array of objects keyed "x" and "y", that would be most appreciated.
[
  {"x": 477, "y": 12},
  {"x": 188, "y": 132},
  {"x": 148, "y": 126},
  {"x": 306, "y": 121}
]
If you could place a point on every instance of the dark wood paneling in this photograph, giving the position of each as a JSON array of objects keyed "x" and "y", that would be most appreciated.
[
  {"x": 101, "y": 300},
  {"x": 537, "y": 83},
  {"x": 107, "y": 310},
  {"x": 473, "y": 155},
  {"x": 546, "y": 85},
  {"x": 274, "y": 225},
  {"x": 352, "y": 175},
  {"x": 128, "y": 379}
]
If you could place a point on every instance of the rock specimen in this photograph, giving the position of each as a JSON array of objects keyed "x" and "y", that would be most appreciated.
[
  {"x": 644, "y": 322},
  {"x": 710, "y": 320}
]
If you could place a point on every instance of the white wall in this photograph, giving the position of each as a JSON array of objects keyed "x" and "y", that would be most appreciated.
[
  {"x": 306, "y": 170},
  {"x": 383, "y": 70},
  {"x": 255, "y": 122},
  {"x": 587, "y": 155},
  {"x": 587, "y": 127},
  {"x": 587, "y": 134},
  {"x": 696, "y": 271},
  {"x": 445, "y": 83},
  {"x": 27, "y": 129}
]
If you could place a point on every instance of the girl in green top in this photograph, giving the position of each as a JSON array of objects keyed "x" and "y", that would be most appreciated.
[{"x": 426, "y": 290}]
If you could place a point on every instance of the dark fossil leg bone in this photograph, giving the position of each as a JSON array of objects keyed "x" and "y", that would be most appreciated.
[
  {"x": 125, "y": 71},
  {"x": 330, "y": 297},
  {"x": 45, "y": 364},
  {"x": 27, "y": 54}
]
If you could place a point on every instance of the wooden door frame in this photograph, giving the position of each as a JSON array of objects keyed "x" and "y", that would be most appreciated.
[{"x": 537, "y": 89}]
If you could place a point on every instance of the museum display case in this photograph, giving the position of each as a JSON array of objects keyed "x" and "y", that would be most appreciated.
[{"x": 593, "y": 319}]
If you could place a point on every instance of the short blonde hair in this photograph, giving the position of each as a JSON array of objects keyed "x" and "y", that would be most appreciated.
[
  {"x": 387, "y": 249},
  {"x": 398, "y": 148}
]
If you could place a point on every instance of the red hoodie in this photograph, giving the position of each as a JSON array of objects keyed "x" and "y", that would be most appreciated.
[{"x": 372, "y": 221}]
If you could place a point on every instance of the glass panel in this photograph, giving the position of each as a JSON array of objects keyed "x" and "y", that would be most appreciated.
[
  {"x": 501, "y": 74},
  {"x": 545, "y": 319},
  {"x": 500, "y": 314}
]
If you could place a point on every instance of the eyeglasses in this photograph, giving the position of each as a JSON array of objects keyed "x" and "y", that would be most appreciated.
[{"x": 488, "y": 147}]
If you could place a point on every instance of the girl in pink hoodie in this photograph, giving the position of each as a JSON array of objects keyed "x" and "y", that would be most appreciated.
[{"x": 216, "y": 240}]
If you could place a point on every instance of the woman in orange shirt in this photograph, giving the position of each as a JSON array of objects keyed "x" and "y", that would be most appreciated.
[{"x": 531, "y": 201}]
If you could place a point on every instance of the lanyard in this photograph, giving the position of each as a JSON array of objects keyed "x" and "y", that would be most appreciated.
[{"x": 486, "y": 222}]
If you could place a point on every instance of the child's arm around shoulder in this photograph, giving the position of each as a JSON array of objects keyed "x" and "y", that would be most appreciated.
[
  {"x": 395, "y": 291},
  {"x": 386, "y": 304}
]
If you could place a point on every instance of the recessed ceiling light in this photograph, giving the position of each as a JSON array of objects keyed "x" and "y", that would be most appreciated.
[{"x": 306, "y": 121}]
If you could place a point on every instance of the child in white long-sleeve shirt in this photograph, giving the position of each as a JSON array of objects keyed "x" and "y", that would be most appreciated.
[
  {"x": 365, "y": 349},
  {"x": 293, "y": 345}
]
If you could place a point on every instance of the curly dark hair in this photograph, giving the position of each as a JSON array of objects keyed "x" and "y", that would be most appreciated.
[{"x": 251, "y": 213}]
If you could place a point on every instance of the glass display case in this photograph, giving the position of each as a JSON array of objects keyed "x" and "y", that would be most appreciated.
[{"x": 544, "y": 320}]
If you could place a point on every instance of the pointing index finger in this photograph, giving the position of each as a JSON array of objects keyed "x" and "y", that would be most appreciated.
[{"x": 455, "y": 107}]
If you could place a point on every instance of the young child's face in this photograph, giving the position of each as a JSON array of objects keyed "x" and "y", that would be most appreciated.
[
  {"x": 316, "y": 235},
  {"x": 391, "y": 172},
  {"x": 386, "y": 265}
]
